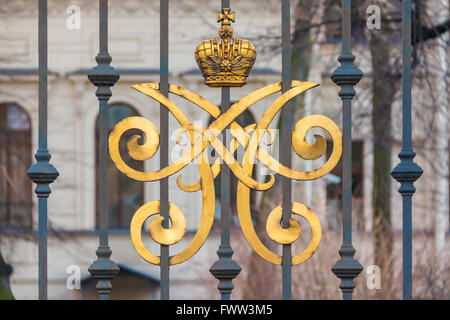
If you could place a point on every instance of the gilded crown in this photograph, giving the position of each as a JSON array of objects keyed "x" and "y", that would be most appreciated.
[{"x": 224, "y": 61}]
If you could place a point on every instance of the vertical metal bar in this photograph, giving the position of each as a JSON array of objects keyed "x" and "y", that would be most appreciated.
[
  {"x": 103, "y": 76},
  {"x": 43, "y": 72},
  {"x": 347, "y": 173},
  {"x": 347, "y": 138},
  {"x": 406, "y": 74},
  {"x": 407, "y": 144},
  {"x": 164, "y": 145},
  {"x": 346, "y": 26},
  {"x": 407, "y": 247},
  {"x": 225, "y": 208},
  {"x": 42, "y": 142},
  {"x": 103, "y": 135},
  {"x": 347, "y": 135},
  {"x": 225, "y": 191},
  {"x": 347, "y": 76},
  {"x": 225, "y": 269},
  {"x": 407, "y": 172},
  {"x": 285, "y": 148},
  {"x": 103, "y": 27},
  {"x": 42, "y": 239},
  {"x": 42, "y": 172},
  {"x": 103, "y": 173}
]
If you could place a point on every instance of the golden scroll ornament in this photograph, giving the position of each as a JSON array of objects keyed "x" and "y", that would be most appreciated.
[{"x": 250, "y": 138}]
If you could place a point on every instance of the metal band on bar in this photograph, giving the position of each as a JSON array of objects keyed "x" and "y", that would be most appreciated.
[
  {"x": 164, "y": 146},
  {"x": 285, "y": 148}
]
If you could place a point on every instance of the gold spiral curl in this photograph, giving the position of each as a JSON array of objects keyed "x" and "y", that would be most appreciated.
[
  {"x": 291, "y": 234},
  {"x": 250, "y": 138},
  {"x": 160, "y": 234}
]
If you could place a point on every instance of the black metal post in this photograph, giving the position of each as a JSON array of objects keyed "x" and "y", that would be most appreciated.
[
  {"x": 164, "y": 143},
  {"x": 347, "y": 75},
  {"x": 103, "y": 76},
  {"x": 225, "y": 269},
  {"x": 285, "y": 148},
  {"x": 42, "y": 172},
  {"x": 407, "y": 172}
]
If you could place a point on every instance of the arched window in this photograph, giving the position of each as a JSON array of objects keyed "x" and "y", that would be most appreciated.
[
  {"x": 125, "y": 195},
  {"x": 15, "y": 159}
]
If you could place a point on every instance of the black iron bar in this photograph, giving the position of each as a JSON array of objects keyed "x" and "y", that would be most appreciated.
[
  {"x": 164, "y": 145},
  {"x": 407, "y": 172},
  {"x": 225, "y": 205},
  {"x": 285, "y": 148},
  {"x": 43, "y": 96},
  {"x": 42, "y": 172},
  {"x": 225, "y": 269},
  {"x": 103, "y": 76},
  {"x": 43, "y": 72},
  {"x": 347, "y": 76},
  {"x": 43, "y": 83},
  {"x": 103, "y": 134}
]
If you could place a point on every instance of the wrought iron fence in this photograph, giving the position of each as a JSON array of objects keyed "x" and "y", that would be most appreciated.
[{"x": 225, "y": 63}]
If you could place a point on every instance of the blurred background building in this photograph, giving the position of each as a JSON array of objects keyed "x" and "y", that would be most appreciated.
[{"x": 134, "y": 47}]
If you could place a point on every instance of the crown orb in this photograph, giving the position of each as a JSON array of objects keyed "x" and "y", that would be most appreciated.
[
  {"x": 224, "y": 61},
  {"x": 226, "y": 32}
]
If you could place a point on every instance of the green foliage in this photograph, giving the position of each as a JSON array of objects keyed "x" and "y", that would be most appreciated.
[{"x": 5, "y": 272}]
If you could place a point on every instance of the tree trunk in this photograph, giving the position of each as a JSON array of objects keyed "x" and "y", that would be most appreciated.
[
  {"x": 442, "y": 169},
  {"x": 385, "y": 82}
]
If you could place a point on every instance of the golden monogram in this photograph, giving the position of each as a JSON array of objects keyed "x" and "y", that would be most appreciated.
[
  {"x": 224, "y": 61},
  {"x": 225, "y": 64}
]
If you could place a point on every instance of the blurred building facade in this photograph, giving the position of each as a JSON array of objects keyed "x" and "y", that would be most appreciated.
[{"x": 73, "y": 110}]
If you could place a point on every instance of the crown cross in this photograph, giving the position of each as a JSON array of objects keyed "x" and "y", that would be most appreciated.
[{"x": 226, "y": 17}]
